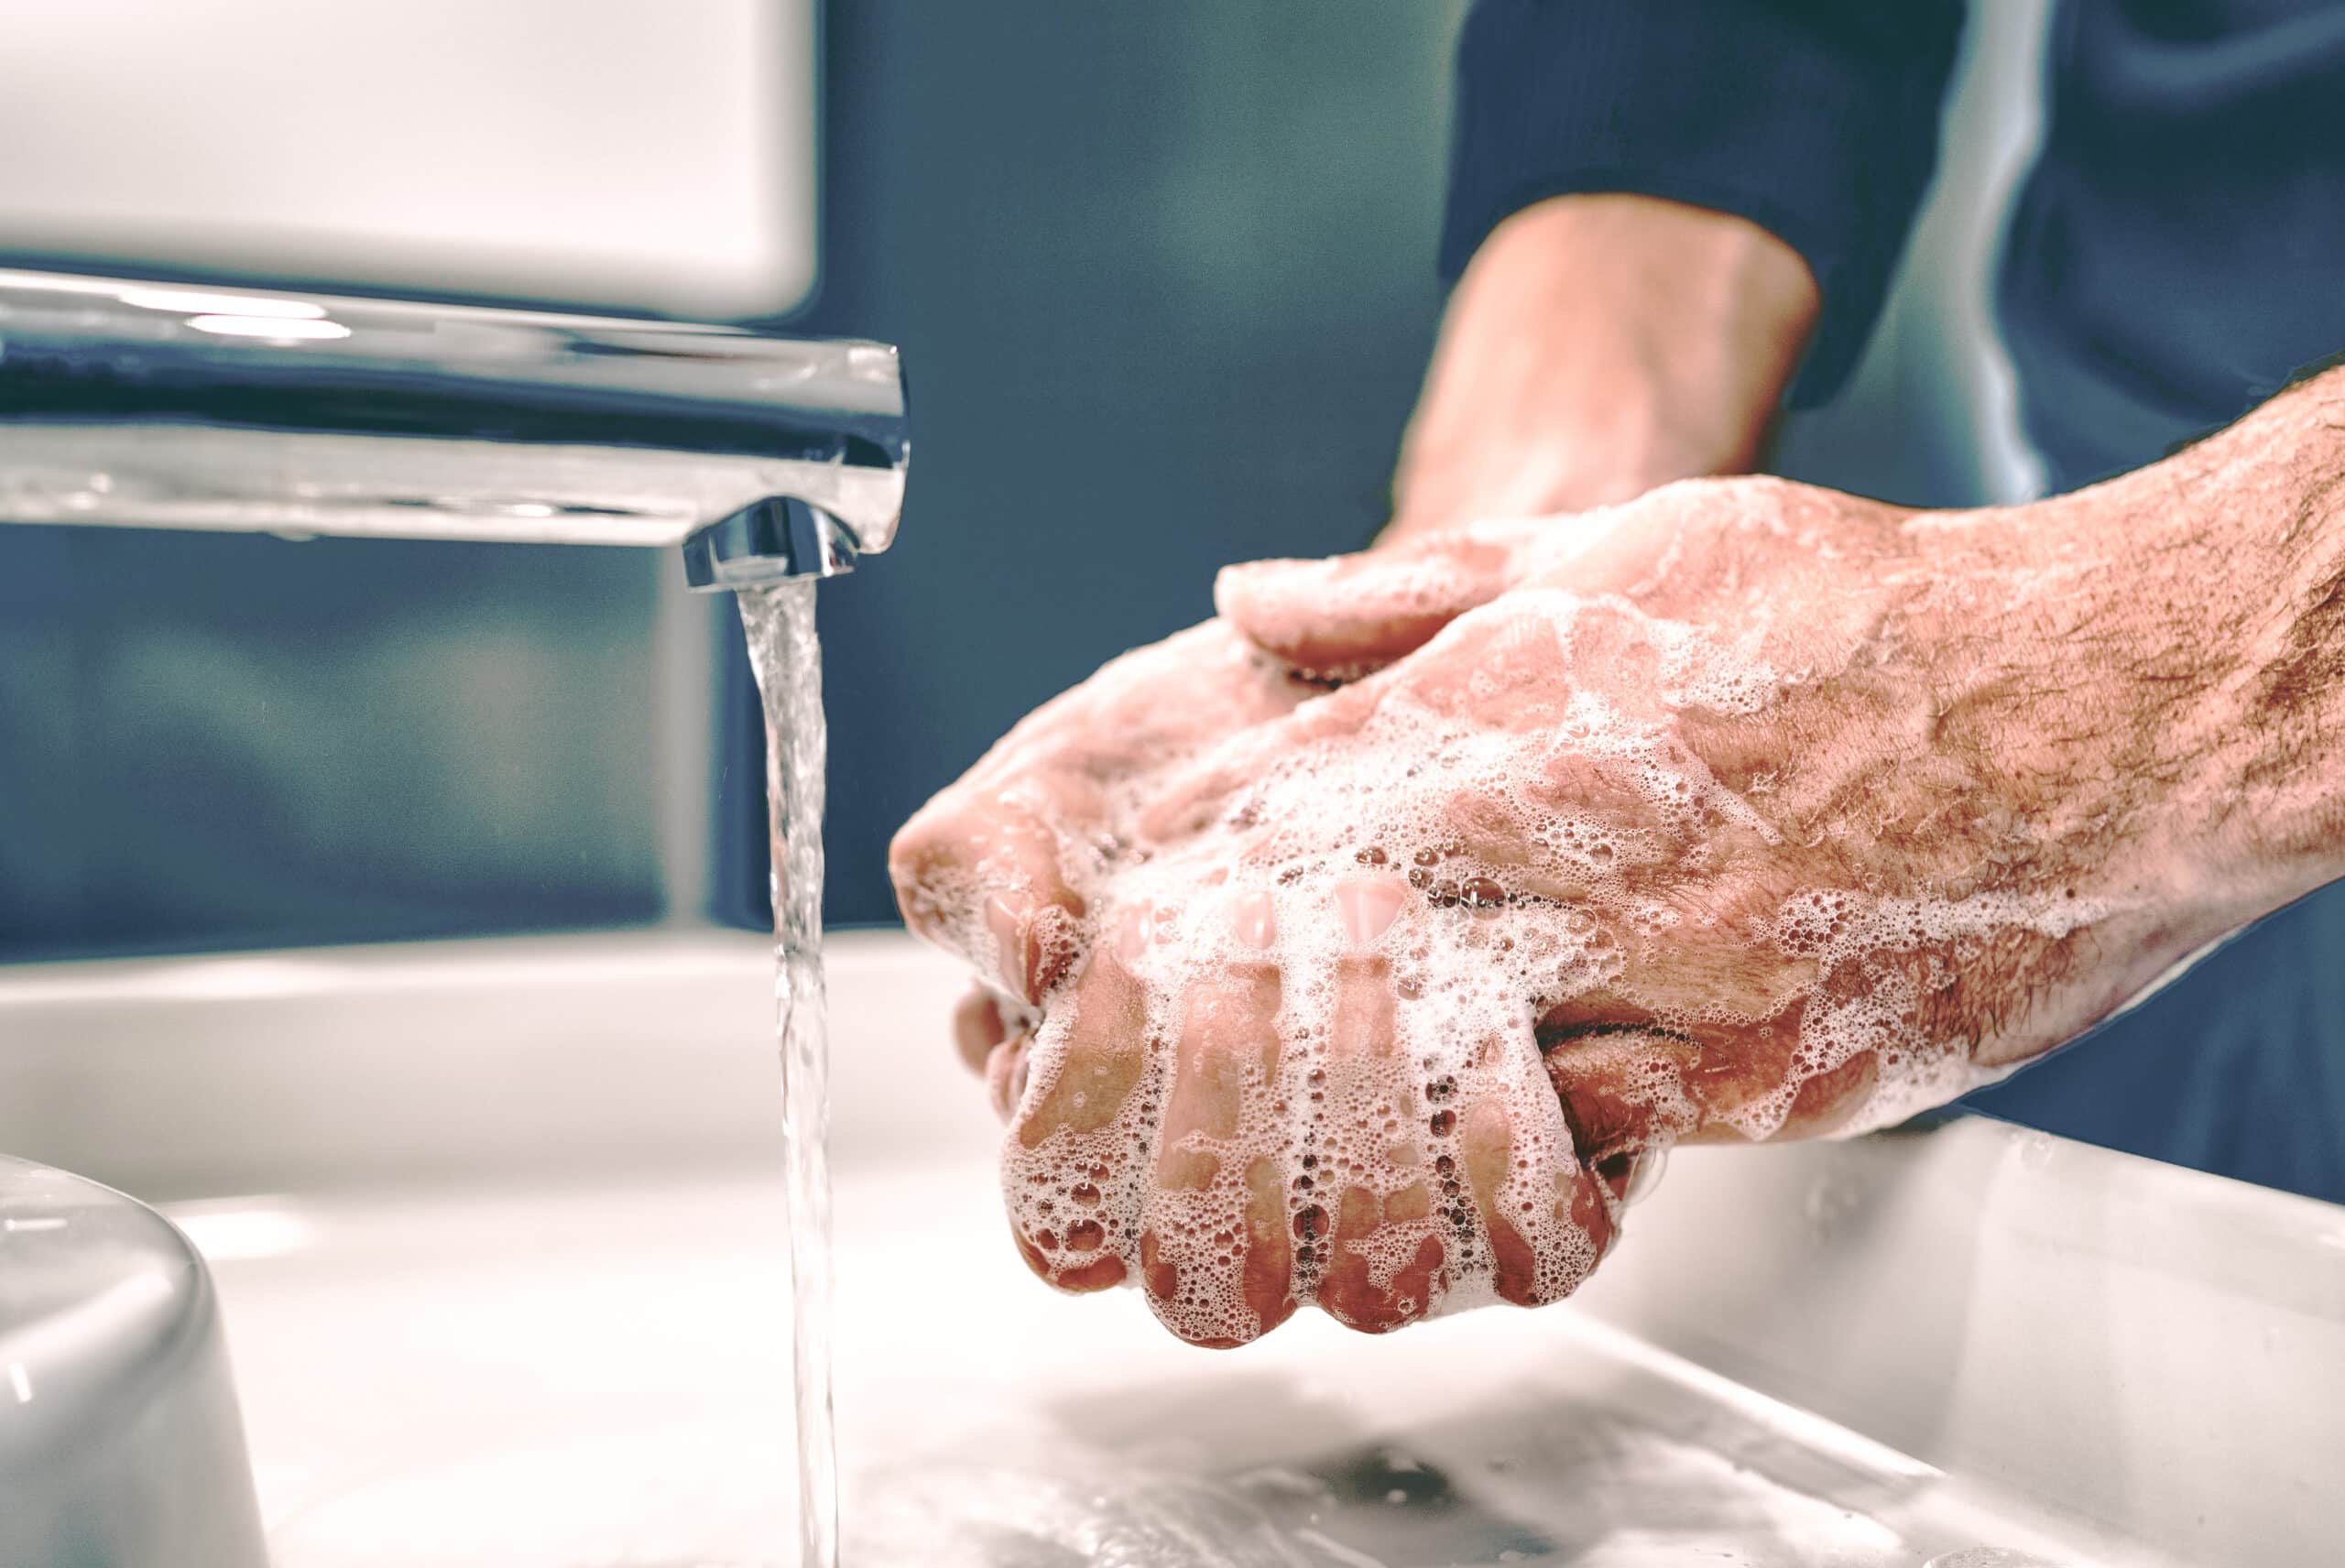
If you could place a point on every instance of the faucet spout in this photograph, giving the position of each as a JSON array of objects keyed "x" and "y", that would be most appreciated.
[
  {"x": 770, "y": 542},
  {"x": 163, "y": 405}
]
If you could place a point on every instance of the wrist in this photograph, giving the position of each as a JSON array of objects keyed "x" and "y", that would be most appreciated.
[{"x": 1599, "y": 345}]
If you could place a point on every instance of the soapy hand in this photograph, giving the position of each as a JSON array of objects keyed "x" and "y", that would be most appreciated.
[
  {"x": 1846, "y": 807},
  {"x": 1598, "y": 344},
  {"x": 991, "y": 867},
  {"x": 1745, "y": 811}
]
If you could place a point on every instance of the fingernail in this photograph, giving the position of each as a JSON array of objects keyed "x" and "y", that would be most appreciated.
[
  {"x": 1006, "y": 1077},
  {"x": 1009, "y": 917},
  {"x": 977, "y": 1028},
  {"x": 1644, "y": 1174},
  {"x": 1133, "y": 924},
  {"x": 1253, "y": 919},
  {"x": 1368, "y": 904}
]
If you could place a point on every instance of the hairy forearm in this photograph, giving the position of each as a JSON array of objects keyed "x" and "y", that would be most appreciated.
[
  {"x": 2273, "y": 488},
  {"x": 2207, "y": 622}
]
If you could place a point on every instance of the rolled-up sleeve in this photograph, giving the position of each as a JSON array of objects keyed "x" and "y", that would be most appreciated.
[{"x": 1818, "y": 121}]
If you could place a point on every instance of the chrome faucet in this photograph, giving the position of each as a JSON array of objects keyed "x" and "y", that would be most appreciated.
[{"x": 166, "y": 405}]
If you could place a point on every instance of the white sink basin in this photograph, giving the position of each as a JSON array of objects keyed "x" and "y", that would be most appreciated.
[{"x": 516, "y": 1298}]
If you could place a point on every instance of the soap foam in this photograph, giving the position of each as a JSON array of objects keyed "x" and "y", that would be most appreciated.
[{"x": 1518, "y": 901}]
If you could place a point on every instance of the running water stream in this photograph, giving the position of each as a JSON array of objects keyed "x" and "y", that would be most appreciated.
[{"x": 787, "y": 660}]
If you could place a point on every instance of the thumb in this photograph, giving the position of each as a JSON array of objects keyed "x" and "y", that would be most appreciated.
[{"x": 1341, "y": 617}]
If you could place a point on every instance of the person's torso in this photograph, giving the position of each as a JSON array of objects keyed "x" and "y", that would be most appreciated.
[{"x": 2179, "y": 250}]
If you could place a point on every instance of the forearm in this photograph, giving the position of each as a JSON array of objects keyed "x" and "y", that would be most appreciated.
[
  {"x": 2209, "y": 628},
  {"x": 1596, "y": 347},
  {"x": 2273, "y": 488},
  {"x": 1816, "y": 122}
]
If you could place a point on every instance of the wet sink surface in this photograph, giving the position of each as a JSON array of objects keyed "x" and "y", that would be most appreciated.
[
  {"x": 584, "y": 1376},
  {"x": 525, "y": 1336}
]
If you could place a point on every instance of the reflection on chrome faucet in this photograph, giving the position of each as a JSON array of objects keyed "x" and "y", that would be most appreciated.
[{"x": 160, "y": 405}]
